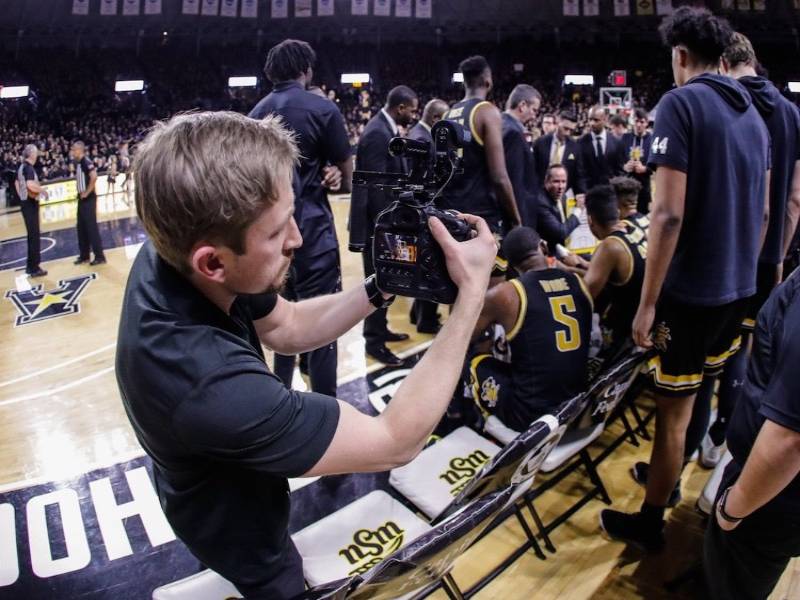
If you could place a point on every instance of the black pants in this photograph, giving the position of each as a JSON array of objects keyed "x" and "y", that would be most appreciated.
[
  {"x": 313, "y": 276},
  {"x": 425, "y": 313},
  {"x": 746, "y": 563},
  {"x": 88, "y": 233},
  {"x": 288, "y": 584},
  {"x": 30, "y": 213},
  {"x": 375, "y": 325}
]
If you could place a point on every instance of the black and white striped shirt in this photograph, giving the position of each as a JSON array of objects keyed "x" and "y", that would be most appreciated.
[
  {"x": 25, "y": 173},
  {"x": 83, "y": 169}
]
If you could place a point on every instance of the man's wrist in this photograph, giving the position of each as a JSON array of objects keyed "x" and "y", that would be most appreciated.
[{"x": 733, "y": 507}]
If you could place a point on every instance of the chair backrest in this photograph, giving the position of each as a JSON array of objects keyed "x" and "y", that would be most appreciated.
[
  {"x": 516, "y": 464},
  {"x": 335, "y": 590},
  {"x": 422, "y": 563},
  {"x": 611, "y": 385}
]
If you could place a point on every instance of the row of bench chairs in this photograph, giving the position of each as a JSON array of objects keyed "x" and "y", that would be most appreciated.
[{"x": 460, "y": 489}]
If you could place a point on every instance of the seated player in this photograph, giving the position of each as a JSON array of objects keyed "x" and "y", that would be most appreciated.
[
  {"x": 547, "y": 314},
  {"x": 627, "y": 190},
  {"x": 617, "y": 266}
]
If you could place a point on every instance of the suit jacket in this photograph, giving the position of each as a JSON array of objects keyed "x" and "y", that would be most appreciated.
[
  {"x": 550, "y": 226},
  {"x": 598, "y": 170},
  {"x": 373, "y": 155},
  {"x": 519, "y": 164},
  {"x": 420, "y": 133},
  {"x": 571, "y": 159}
]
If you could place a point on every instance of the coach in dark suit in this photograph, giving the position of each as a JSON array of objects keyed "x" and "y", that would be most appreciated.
[
  {"x": 601, "y": 153},
  {"x": 424, "y": 314},
  {"x": 552, "y": 223},
  {"x": 373, "y": 155},
  {"x": 636, "y": 153},
  {"x": 559, "y": 148},
  {"x": 521, "y": 108}
]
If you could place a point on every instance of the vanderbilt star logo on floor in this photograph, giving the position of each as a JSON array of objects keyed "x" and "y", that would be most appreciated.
[{"x": 36, "y": 305}]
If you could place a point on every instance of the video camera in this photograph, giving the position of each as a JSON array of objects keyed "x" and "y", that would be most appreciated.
[{"x": 408, "y": 261}]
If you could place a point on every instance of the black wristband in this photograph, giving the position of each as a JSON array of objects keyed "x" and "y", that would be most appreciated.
[
  {"x": 722, "y": 513},
  {"x": 375, "y": 295}
]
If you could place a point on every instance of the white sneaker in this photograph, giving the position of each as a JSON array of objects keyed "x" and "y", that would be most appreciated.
[{"x": 709, "y": 453}]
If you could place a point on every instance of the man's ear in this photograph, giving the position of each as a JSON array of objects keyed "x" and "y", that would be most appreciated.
[
  {"x": 208, "y": 262},
  {"x": 683, "y": 57}
]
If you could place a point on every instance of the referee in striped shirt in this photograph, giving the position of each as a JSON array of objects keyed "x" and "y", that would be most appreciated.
[{"x": 88, "y": 233}]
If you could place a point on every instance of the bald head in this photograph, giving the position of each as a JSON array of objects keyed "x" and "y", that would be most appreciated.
[{"x": 434, "y": 111}]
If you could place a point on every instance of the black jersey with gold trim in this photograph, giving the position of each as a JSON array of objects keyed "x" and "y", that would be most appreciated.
[
  {"x": 624, "y": 294},
  {"x": 550, "y": 340},
  {"x": 639, "y": 220},
  {"x": 471, "y": 191}
]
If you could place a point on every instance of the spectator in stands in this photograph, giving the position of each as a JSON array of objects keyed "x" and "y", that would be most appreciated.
[
  {"x": 559, "y": 148},
  {"x": 755, "y": 530},
  {"x": 549, "y": 124},
  {"x": 636, "y": 154},
  {"x": 223, "y": 431},
  {"x": 617, "y": 266},
  {"x": 697, "y": 279},
  {"x": 601, "y": 153},
  {"x": 521, "y": 108},
  {"x": 547, "y": 316}
]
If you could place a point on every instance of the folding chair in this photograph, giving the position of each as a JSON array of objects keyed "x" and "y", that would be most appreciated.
[{"x": 354, "y": 539}]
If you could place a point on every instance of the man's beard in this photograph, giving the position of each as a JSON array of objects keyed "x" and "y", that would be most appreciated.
[{"x": 278, "y": 287}]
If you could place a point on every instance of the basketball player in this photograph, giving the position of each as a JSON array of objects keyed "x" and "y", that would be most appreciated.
[
  {"x": 627, "y": 190},
  {"x": 484, "y": 187},
  {"x": 547, "y": 316},
  {"x": 617, "y": 266}
]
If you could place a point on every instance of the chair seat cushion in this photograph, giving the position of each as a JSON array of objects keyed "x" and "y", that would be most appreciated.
[
  {"x": 438, "y": 474},
  {"x": 573, "y": 442},
  {"x": 499, "y": 430},
  {"x": 206, "y": 585},
  {"x": 355, "y": 538}
]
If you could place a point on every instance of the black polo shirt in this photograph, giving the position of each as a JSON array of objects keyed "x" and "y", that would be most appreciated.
[
  {"x": 772, "y": 388},
  {"x": 222, "y": 430},
  {"x": 321, "y": 139}
]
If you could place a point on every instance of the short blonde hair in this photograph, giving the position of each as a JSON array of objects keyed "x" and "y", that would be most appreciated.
[{"x": 209, "y": 176}]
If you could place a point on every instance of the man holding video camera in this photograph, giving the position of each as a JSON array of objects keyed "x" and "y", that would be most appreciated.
[{"x": 223, "y": 431}]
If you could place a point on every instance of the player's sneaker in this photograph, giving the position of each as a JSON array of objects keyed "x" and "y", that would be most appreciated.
[{"x": 710, "y": 453}]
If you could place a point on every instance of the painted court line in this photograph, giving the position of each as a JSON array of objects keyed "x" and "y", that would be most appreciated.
[
  {"x": 56, "y": 390},
  {"x": 58, "y": 366}
]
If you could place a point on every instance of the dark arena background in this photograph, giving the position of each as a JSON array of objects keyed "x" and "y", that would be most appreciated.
[{"x": 80, "y": 515}]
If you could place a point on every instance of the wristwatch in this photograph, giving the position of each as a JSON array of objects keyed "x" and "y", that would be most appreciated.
[
  {"x": 375, "y": 295},
  {"x": 722, "y": 513}
]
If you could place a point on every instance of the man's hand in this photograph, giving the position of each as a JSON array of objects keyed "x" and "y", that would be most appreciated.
[
  {"x": 468, "y": 263},
  {"x": 84, "y": 195},
  {"x": 643, "y": 325},
  {"x": 639, "y": 167},
  {"x": 331, "y": 178},
  {"x": 629, "y": 166}
]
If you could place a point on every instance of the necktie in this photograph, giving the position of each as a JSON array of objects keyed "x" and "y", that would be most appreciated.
[
  {"x": 558, "y": 151},
  {"x": 598, "y": 147}
]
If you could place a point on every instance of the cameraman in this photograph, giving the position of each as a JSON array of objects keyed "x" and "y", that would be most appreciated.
[{"x": 223, "y": 431}]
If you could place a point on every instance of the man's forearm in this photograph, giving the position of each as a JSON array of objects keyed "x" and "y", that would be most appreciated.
[
  {"x": 662, "y": 240},
  {"x": 424, "y": 395},
  {"x": 319, "y": 321},
  {"x": 773, "y": 463},
  {"x": 790, "y": 222},
  {"x": 505, "y": 192}
]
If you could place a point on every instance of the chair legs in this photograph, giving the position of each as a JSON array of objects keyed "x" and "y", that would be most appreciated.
[
  {"x": 529, "y": 534},
  {"x": 548, "y": 543},
  {"x": 591, "y": 470}
]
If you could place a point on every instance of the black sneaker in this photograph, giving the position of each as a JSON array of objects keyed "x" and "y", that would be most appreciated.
[
  {"x": 80, "y": 260},
  {"x": 391, "y": 336},
  {"x": 98, "y": 261},
  {"x": 632, "y": 529},
  {"x": 37, "y": 273},
  {"x": 639, "y": 473}
]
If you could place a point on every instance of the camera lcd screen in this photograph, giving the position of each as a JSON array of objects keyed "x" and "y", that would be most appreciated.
[{"x": 399, "y": 248}]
